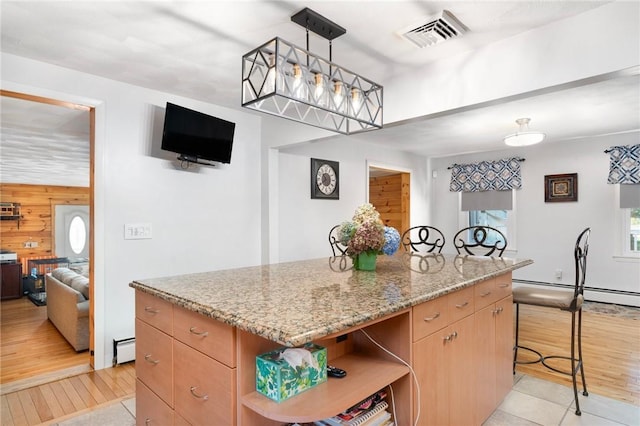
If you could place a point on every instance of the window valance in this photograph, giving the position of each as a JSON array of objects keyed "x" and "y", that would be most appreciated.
[
  {"x": 624, "y": 164},
  {"x": 500, "y": 175}
]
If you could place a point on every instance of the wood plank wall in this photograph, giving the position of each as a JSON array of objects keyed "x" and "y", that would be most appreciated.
[
  {"x": 390, "y": 196},
  {"x": 37, "y": 206}
]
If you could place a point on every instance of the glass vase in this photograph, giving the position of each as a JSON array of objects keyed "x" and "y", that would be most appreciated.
[{"x": 365, "y": 261}]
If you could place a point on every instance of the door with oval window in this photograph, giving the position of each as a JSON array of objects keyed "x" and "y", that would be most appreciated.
[{"x": 72, "y": 231}]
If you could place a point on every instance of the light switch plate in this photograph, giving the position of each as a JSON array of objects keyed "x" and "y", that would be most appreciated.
[{"x": 137, "y": 231}]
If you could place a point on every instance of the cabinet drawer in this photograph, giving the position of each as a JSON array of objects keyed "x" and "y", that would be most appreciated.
[
  {"x": 503, "y": 286},
  {"x": 154, "y": 360},
  {"x": 485, "y": 293},
  {"x": 211, "y": 337},
  {"x": 204, "y": 388},
  {"x": 155, "y": 311},
  {"x": 430, "y": 316},
  {"x": 150, "y": 409},
  {"x": 461, "y": 304}
]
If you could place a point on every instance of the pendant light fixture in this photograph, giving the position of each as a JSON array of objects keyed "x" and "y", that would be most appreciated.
[
  {"x": 523, "y": 136},
  {"x": 287, "y": 81}
]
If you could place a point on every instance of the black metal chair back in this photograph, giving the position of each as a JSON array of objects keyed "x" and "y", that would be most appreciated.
[
  {"x": 480, "y": 241},
  {"x": 580, "y": 254},
  {"x": 423, "y": 239},
  {"x": 337, "y": 247}
]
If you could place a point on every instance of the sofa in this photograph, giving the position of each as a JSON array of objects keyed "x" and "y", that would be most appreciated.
[{"x": 68, "y": 305}]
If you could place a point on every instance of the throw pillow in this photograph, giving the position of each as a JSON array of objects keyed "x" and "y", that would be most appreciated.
[{"x": 80, "y": 284}]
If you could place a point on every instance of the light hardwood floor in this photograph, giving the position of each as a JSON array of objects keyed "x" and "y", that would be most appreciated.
[
  {"x": 30, "y": 346},
  {"x": 611, "y": 356},
  {"x": 610, "y": 349}
]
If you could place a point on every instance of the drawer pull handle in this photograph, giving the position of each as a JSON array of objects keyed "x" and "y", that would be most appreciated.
[
  {"x": 462, "y": 305},
  {"x": 485, "y": 294},
  {"x": 428, "y": 319},
  {"x": 147, "y": 421},
  {"x": 149, "y": 360},
  {"x": 503, "y": 285},
  {"x": 150, "y": 310},
  {"x": 193, "y": 392},
  {"x": 192, "y": 330}
]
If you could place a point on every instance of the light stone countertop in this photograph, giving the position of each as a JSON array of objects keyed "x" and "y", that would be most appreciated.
[{"x": 297, "y": 302}]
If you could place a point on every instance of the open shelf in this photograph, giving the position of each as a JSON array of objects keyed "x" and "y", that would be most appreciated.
[{"x": 365, "y": 375}]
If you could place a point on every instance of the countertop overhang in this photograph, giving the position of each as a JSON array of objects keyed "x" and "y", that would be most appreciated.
[{"x": 297, "y": 302}]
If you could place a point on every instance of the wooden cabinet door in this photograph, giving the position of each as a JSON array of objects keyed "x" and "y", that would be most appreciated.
[
  {"x": 443, "y": 364},
  {"x": 150, "y": 409},
  {"x": 494, "y": 356},
  {"x": 11, "y": 280},
  {"x": 154, "y": 360},
  {"x": 459, "y": 351},
  {"x": 205, "y": 389},
  {"x": 431, "y": 366},
  {"x": 504, "y": 348},
  {"x": 485, "y": 376}
]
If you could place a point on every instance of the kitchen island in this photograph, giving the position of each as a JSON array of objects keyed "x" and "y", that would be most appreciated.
[{"x": 447, "y": 317}]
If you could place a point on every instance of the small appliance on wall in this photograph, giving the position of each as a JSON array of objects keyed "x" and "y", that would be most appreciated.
[{"x": 197, "y": 136}]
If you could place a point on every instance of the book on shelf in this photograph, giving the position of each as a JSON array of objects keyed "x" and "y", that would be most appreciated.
[{"x": 371, "y": 411}]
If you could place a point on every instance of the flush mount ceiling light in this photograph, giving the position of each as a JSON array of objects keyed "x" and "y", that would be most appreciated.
[
  {"x": 523, "y": 136},
  {"x": 287, "y": 81}
]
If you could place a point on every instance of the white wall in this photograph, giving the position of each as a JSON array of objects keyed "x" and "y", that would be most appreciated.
[
  {"x": 304, "y": 223},
  {"x": 546, "y": 232},
  {"x": 202, "y": 220},
  {"x": 562, "y": 51}
]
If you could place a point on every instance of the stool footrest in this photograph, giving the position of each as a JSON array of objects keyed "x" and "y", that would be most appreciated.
[
  {"x": 540, "y": 357},
  {"x": 557, "y": 370}
]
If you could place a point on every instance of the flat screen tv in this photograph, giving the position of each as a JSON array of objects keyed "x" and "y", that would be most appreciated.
[{"x": 197, "y": 136}]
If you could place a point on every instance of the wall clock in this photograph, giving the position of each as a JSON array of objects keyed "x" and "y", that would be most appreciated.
[{"x": 325, "y": 179}]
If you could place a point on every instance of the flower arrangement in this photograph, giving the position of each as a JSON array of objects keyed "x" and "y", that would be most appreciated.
[{"x": 366, "y": 233}]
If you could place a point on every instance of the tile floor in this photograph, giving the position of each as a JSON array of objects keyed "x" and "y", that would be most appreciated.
[{"x": 531, "y": 402}]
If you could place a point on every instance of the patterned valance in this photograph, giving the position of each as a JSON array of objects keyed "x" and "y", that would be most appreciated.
[
  {"x": 624, "y": 164},
  {"x": 500, "y": 175}
]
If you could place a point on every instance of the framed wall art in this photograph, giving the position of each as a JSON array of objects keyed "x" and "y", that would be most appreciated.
[{"x": 560, "y": 188}]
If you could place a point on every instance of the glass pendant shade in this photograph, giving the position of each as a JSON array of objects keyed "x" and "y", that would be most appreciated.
[
  {"x": 523, "y": 136},
  {"x": 285, "y": 80}
]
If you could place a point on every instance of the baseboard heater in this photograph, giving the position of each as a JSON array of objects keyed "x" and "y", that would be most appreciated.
[{"x": 124, "y": 350}]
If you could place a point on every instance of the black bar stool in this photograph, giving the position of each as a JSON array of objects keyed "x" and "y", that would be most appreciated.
[{"x": 566, "y": 300}]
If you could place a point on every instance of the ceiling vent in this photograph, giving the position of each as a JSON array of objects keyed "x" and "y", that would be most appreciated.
[{"x": 437, "y": 29}]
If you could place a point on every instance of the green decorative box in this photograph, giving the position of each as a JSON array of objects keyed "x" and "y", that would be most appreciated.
[{"x": 286, "y": 372}]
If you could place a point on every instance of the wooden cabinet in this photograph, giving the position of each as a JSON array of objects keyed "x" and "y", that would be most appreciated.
[
  {"x": 441, "y": 362},
  {"x": 11, "y": 280},
  {"x": 464, "y": 366},
  {"x": 493, "y": 348},
  {"x": 369, "y": 370},
  {"x": 185, "y": 366},
  {"x": 192, "y": 369}
]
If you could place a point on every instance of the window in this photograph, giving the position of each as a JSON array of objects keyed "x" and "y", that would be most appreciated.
[
  {"x": 501, "y": 219},
  {"x": 494, "y": 218},
  {"x": 632, "y": 231},
  {"x": 77, "y": 234}
]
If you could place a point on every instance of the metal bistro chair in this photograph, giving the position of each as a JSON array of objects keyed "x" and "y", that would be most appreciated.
[
  {"x": 480, "y": 241},
  {"x": 566, "y": 300},
  {"x": 423, "y": 239},
  {"x": 337, "y": 247}
]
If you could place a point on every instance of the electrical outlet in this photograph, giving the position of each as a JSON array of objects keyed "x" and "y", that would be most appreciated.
[
  {"x": 137, "y": 231},
  {"x": 30, "y": 244},
  {"x": 559, "y": 274}
]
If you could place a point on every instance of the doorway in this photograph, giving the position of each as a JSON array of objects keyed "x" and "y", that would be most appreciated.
[
  {"x": 37, "y": 137},
  {"x": 390, "y": 194}
]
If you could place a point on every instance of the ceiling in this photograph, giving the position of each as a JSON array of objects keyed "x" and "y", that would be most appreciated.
[{"x": 194, "y": 49}]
